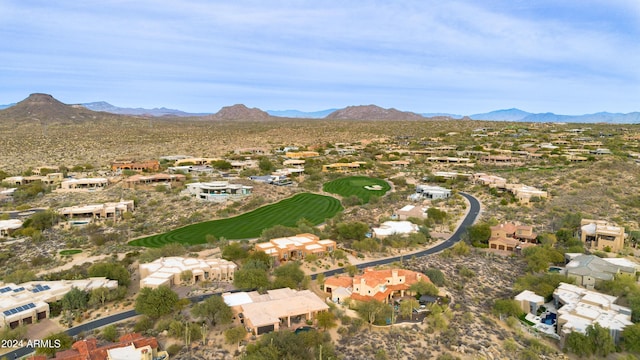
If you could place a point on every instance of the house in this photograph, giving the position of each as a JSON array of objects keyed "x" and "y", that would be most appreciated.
[
  {"x": 112, "y": 211},
  {"x": 600, "y": 235},
  {"x": 131, "y": 346},
  {"x": 301, "y": 154},
  {"x": 589, "y": 270},
  {"x": 342, "y": 167},
  {"x": 147, "y": 165},
  {"x": 512, "y": 237},
  {"x": 146, "y": 181},
  {"x": 489, "y": 180},
  {"x": 388, "y": 228},
  {"x": 296, "y": 247},
  {"x": 218, "y": 191},
  {"x": 529, "y": 301},
  {"x": 28, "y": 302},
  {"x": 84, "y": 184},
  {"x": 381, "y": 285},
  {"x": 9, "y": 226},
  {"x": 48, "y": 179},
  {"x": 430, "y": 192},
  {"x": 412, "y": 211},
  {"x": 578, "y": 308},
  {"x": 170, "y": 271},
  {"x": 263, "y": 313},
  {"x": 525, "y": 193}
]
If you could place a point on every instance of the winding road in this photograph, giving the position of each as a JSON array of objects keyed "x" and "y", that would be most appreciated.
[{"x": 469, "y": 219}]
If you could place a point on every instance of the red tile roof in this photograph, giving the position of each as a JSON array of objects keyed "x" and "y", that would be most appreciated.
[{"x": 88, "y": 349}]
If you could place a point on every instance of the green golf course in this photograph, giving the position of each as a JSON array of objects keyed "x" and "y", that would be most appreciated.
[
  {"x": 313, "y": 207},
  {"x": 361, "y": 186}
]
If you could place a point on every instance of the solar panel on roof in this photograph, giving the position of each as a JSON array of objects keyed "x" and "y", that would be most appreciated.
[
  {"x": 14, "y": 311},
  {"x": 46, "y": 287},
  {"x": 35, "y": 291},
  {"x": 7, "y": 313},
  {"x": 31, "y": 305}
]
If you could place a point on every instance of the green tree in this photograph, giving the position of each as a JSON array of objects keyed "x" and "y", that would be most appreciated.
[
  {"x": 424, "y": 288},
  {"x": 42, "y": 220},
  {"x": 110, "y": 333},
  {"x": 631, "y": 338},
  {"x": 407, "y": 306},
  {"x": 75, "y": 299},
  {"x": 266, "y": 165},
  {"x": 186, "y": 276},
  {"x": 213, "y": 309},
  {"x": 234, "y": 251},
  {"x": 113, "y": 271},
  {"x": 601, "y": 341},
  {"x": 352, "y": 230},
  {"x": 326, "y": 319},
  {"x": 289, "y": 275},
  {"x": 479, "y": 234},
  {"x": 61, "y": 341},
  {"x": 155, "y": 303},
  {"x": 373, "y": 310},
  {"x": 436, "y": 276},
  {"x": 221, "y": 164},
  {"x": 507, "y": 307},
  {"x": 252, "y": 275},
  {"x": 540, "y": 257},
  {"x": 235, "y": 335},
  {"x": 278, "y": 231}
]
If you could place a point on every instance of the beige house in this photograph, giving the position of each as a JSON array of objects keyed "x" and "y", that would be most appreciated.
[
  {"x": 218, "y": 191},
  {"x": 301, "y": 154},
  {"x": 263, "y": 313},
  {"x": 84, "y": 184},
  {"x": 600, "y": 235},
  {"x": 9, "y": 226},
  {"x": 512, "y": 237},
  {"x": 113, "y": 211},
  {"x": 170, "y": 271},
  {"x": 529, "y": 301},
  {"x": 145, "y": 181},
  {"x": 589, "y": 270},
  {"x": 296, "y": 247},
  {"x": 148, "y": 165},
  {"x": 342, "y": 167}
]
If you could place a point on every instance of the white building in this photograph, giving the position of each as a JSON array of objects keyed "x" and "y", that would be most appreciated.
[
  {"x": 430, "y": 192},
  {"x": 28, "y": 302},
  {"x": 395, "y": 227},
  {"x": 8, "y": 226},
  {"x": 169, "y": 271},
  {"x": 218, "y": 191},
  {"x": 578, "y": 308}
]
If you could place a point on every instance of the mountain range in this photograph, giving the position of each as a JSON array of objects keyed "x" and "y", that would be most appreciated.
[{"x": 43, "y": 105}]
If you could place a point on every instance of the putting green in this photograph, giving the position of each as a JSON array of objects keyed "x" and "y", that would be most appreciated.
[
  {"x": 313, "y": 207},
  {"x": 361, "y": 186}
]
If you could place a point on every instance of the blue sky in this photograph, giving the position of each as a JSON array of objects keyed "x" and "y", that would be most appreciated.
[{"x": 463, "y": 57}]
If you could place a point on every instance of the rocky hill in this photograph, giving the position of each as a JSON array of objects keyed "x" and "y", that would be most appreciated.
[
  {"x": 240, "y": 112},
  {"x": 46, "y": 109},
  {"x": 372, "y": 112}
]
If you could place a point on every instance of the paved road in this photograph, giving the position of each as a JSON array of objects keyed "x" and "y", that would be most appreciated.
[{"x": 470, "y": 218}]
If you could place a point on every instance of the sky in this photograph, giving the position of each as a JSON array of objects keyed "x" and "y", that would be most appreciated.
[{"x": 427, "y": 56}]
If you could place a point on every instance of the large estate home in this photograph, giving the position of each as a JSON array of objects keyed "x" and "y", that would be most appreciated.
[
  {"x": 170, "y": 271},
  {"x": 27, "y": 303},
  {"x": 263, "y": 313},
  {"x": 512, "y": 237},
  {"x": 342, "y": 167},
  {"x": 111, "y": 210},
  {"x": 218, "y": 191},
  {"x": 84, "y": 184},
  {"x": 381, "y": 285},
  {"x": 430, "y": 192},
  {"x": 48, "y": 179},
  {"x": 600, "y": 235},
  {"x": 296, "y": 247},
  {"x": 140, "y": 180},
  {"x": 578, "y": 308},
  {"x": 148, "y": 165}
]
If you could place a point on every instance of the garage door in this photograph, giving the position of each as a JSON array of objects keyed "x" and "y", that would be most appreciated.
[{"x": 265, "y": 329}]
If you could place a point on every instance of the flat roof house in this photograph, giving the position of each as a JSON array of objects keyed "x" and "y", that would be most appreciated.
[
  {"x": 8, "y": 226},
  {"x": 28, "y": 302},
  {"x": 601, "y": 235},
  {"x": 168, "y": 271},
  {"x": 263, "y": 313},
  {"x": 431, "y": 192},
  {"x": 578, "y": 308},
  {"x": 111, "y": 210},
  {"x": 388, "y": 228},
  {"x": 145, "y": 181},
  {"x": 296, "y": 247},
  {"x": 218, "y": 191},
  {"x": 84, "y": 184},
  {"x": 147, "y": 165}
]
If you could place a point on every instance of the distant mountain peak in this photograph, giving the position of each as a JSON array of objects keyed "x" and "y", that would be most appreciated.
[
  {"x": 372, "y": 112},
  {"x": 241, "y": 112},
  {"x": 45, "y": 108}
]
